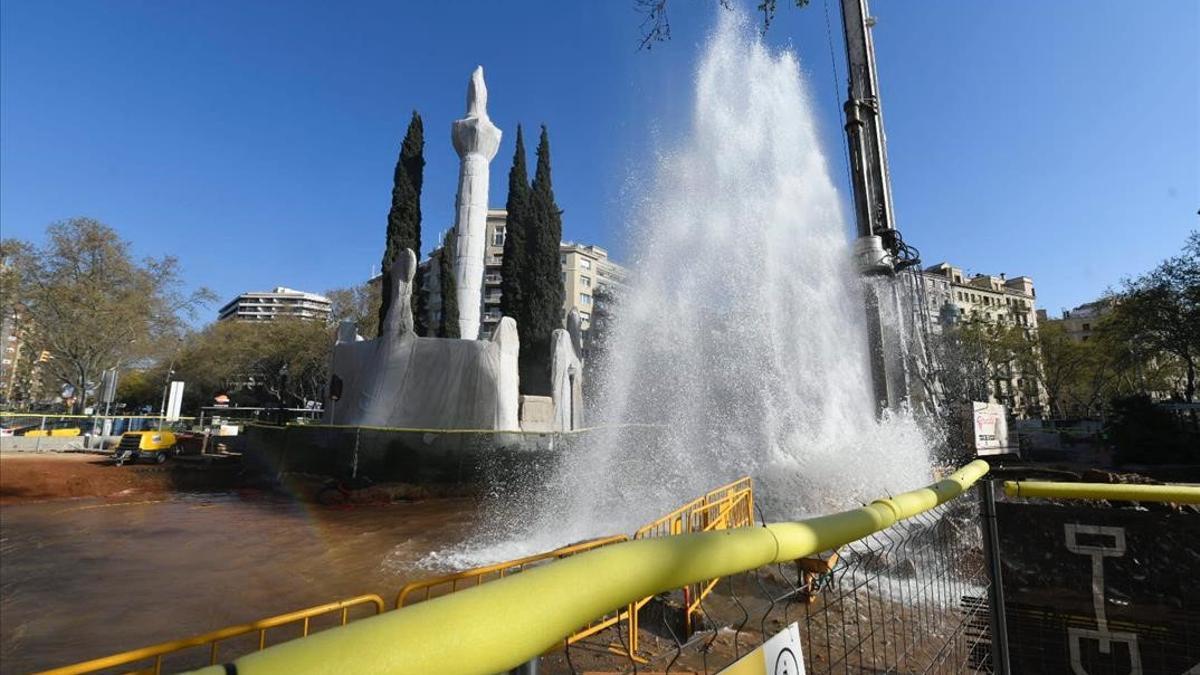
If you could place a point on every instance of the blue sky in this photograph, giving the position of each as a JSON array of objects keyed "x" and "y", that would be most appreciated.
[{"x": 256, "y": 140}]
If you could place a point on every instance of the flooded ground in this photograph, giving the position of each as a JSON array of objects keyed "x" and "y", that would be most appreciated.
[{"x": 85, "y": 578}]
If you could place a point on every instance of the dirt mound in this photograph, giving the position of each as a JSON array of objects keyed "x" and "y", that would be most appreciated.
[{"x": 43, "y": 477}]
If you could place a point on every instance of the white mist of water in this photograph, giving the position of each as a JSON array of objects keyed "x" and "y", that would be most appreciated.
[{"x": 741, "y": 335}]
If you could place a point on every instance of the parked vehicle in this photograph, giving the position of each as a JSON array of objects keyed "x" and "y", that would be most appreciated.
[{"x": 153, "y": 446}]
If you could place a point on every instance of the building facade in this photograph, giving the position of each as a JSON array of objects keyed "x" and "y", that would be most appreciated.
[
  {"x": 11, "y": 351},
  {"x": 1081, "y": 323},
  {"x": 585, "y": 270},
  {"x": 954, "y": 298},
  {"x": 279, "y": 303}
]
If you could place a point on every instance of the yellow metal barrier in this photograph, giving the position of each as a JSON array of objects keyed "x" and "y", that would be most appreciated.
[
  {"x": 213, "y": 639},
  {"x": 538, "y": 608},
  {"x": 1179, "y": 494},
  {"x": 703, "y": 513},
  {"x": 726, "y": 507},
  {"x": 478, "y": 575}
]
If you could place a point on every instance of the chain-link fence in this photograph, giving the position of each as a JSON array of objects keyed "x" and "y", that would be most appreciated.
[{"x": 912, "y": 598}]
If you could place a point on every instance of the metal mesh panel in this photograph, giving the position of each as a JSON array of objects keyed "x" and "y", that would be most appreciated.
[{"x": 909, "y": 599}]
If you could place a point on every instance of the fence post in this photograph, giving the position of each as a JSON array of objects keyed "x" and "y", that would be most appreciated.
[
  {"x": 354, "y": 472},
  {"x": 991, "y": 554}
]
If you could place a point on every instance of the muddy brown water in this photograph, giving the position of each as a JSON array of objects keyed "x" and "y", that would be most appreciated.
[{"x": 87, "y": 578}]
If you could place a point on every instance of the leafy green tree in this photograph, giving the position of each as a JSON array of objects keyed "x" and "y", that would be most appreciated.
[
  {"x": 404, "y": 220},
  {"x": 1145, "y": 433},
  {"x": 92, "y": 306},
  {"x": 960, "y": 352},
  {"x": 542, "y": 287},
  {"x": 1158, "y": 313},
  {"x": 513, "y": 266},
  {"x": 1064, "y": 364},
  {"x": 267, "y": 362},
  {"x": 359, "y": 304},
  {"x": 448, "y": 322},
  {"x": 979, "y": 359},
  {"x": 140, "y": 388},
  {"x": 598, "y": 340}
]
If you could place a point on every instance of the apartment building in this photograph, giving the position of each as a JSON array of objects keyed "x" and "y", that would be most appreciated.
[
  {"x": 281, "y": 302},
  {"x": 954, "y": 297},
  {"x": 585, "y": 269},
  {"x": 1080, "y": 323},
  {"x": 11, "y": 351}
]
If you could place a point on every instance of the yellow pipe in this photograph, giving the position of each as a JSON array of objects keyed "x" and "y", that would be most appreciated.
[
  {"x": 502, "y": 624},
  {"x": 1179, "y": 494}
]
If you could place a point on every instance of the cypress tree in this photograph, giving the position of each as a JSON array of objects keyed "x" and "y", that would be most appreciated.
[
  {"x": 543, "y": 286},
  {"x": 512, "y": 268},
  {"x": 404, "y": 220},
  {"x": 448, "y": 325}
]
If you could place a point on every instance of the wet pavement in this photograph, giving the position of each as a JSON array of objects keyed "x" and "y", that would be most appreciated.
[{"x": 86, "y": 578}]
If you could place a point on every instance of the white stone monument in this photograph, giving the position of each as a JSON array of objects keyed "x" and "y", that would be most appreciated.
[{"x": 476, "y": 140}]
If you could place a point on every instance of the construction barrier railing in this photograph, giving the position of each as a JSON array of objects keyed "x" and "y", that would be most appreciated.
[
  {"x": 540, "y": 607},
  {"x": 213, "y": 640},
  {"x": 726, "y": 507}
]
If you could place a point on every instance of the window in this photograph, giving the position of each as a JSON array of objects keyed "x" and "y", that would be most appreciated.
[
  {"x": 585, "y": 281},
  {"x": 585, "y": 264},
  {"x": 585, "y": 299},
  {"x": 1087, "y": 326},
  {"x": 498, "y": 237}
]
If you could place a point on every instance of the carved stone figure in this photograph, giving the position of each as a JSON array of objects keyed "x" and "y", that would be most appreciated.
[
  {"x": 566, "y": 373},
  {"x": 400, "y": 380}
]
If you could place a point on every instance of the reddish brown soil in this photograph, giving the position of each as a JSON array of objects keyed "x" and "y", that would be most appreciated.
[{"x": 44, "y": 477}]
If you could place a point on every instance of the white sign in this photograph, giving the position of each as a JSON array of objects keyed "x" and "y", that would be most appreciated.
[
  {"x": 778, "y": 656},
  {"x": 174, "y": 401},
  {"x": 989, "y": 429}
]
